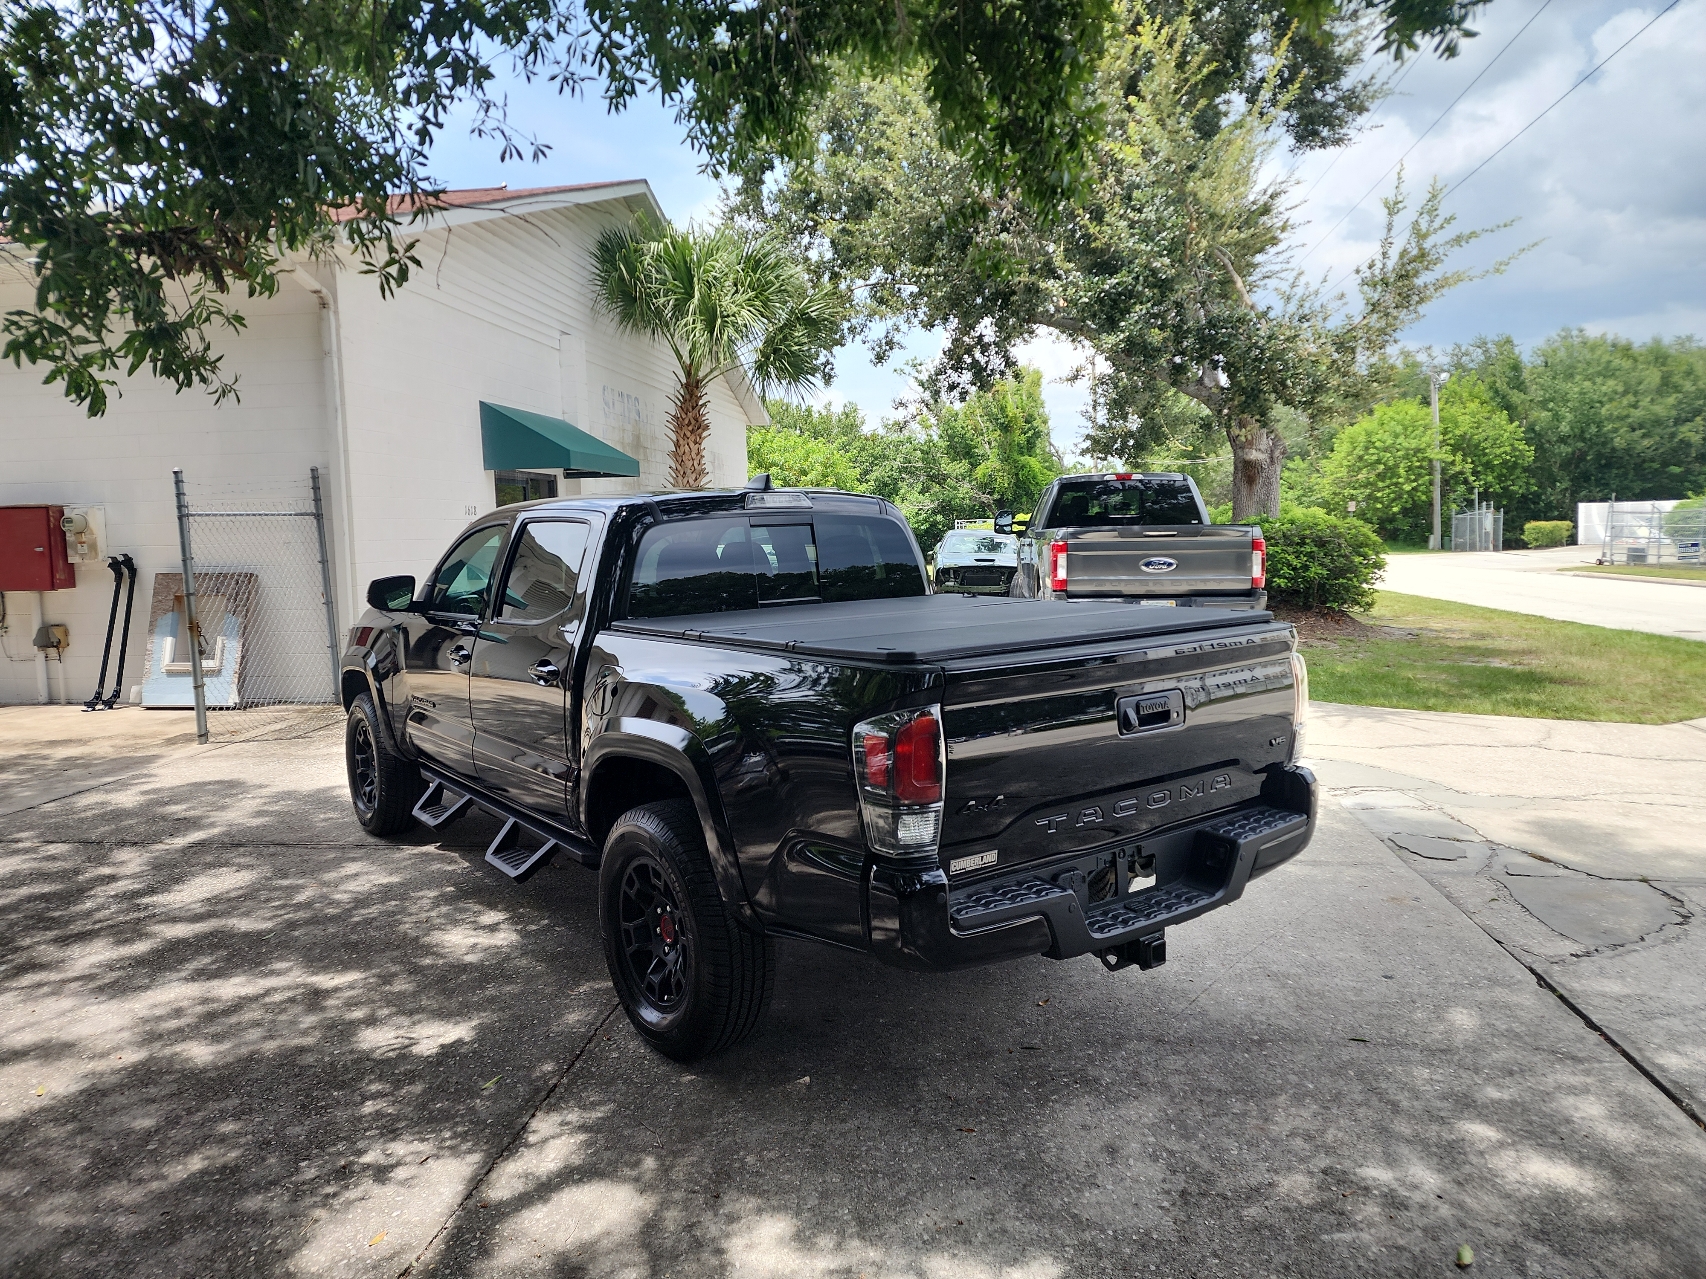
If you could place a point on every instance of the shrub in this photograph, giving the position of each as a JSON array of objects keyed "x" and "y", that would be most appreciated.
[
  {"x": 1538, "y": 533},
  {"x": 1317, "y": 560}
]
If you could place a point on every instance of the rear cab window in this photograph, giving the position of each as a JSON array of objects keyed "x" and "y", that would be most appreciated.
[
  {"x": 722, "y": 563},
  {"x": 1141, "y": 499}
]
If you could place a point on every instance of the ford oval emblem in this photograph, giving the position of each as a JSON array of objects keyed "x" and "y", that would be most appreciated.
[{"x": 1158, "y": 564}]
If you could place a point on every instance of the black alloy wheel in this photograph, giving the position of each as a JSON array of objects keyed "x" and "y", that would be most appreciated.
[
  {"x": 383, "y": 786},
  {"x": 691, "y": 977},
  {"x": 363, "y": 769},
  {"x": 655, "y": 942}
]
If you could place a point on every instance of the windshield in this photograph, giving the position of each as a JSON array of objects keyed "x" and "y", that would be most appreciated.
[
  {"x": 738, "y": 561},
  {"x": 970, "y": 542},
  {"x": 1143, "y": 499}
]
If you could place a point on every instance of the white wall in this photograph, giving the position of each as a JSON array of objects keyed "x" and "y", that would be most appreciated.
[
  {"x": 51, "y": 452},
  {"x": 501, "y": 311}
]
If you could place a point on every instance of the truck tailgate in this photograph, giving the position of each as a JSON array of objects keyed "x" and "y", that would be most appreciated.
[
  {"x": 1184, "y": 559},
  {"x": 1052, "y": 753}
]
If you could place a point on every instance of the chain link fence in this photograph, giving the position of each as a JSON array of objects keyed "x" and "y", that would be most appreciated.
[
  {"x": 1482, "y": 529},
  {"x": 1667, "y": 532},
  {"x": 254, "y": 587}
]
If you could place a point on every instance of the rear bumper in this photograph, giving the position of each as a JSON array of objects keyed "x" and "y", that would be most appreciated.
[
  {"x": 1253, "y": 600},
  {"x": 1079, "y": 905}
]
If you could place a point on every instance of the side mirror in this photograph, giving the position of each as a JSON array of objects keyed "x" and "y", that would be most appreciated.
[
  {"x": 391, "y": 594},
  {"x": 1004, "y": 522}
]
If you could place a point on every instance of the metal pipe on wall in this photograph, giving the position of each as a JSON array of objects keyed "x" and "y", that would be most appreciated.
[
  {"x": 332, "y": 351},
  {"x": 38, "y": 619}
]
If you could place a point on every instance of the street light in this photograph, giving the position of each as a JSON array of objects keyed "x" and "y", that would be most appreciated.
[{"x": 1435, "y": 381}]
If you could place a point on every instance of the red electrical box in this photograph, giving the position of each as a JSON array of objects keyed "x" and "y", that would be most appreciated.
[{"x": 32, "y": 550}]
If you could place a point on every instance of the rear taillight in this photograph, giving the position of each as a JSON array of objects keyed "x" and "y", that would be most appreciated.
[
  {"x": 1057, "y": 566},
  {"x": 359, "y": 635},
  {"x": 918, "y": 761},
  {"x": 1258, "y": 563},
  {"x": 897, "y": 759}
]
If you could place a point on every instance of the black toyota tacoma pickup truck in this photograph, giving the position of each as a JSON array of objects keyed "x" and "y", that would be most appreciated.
[{"x": 749, "y": 713}]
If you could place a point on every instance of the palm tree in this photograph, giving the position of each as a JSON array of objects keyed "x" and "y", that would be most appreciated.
[{"x": 719, "y": 302}]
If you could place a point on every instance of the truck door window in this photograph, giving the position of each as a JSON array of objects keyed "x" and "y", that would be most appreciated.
[
  {"x": 693, "y": 566},
  {"x": 545, "y": 570},
  {"x": 462, "y": 580}
]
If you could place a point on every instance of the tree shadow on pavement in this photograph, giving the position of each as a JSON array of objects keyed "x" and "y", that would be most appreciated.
[
  {"x": 245, "y": 1038},
  {"x": 1264, "y": 1105},
  {"x": 265, "y": 1044}
]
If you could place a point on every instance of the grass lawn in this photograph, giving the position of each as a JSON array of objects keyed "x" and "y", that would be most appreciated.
[
  {"x": 1683, "y": 571},
  {"x": 1431, "y": 655}
]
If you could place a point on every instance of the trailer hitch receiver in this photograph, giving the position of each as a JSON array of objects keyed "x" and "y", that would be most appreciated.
[{"x": 1146, "y": 952}]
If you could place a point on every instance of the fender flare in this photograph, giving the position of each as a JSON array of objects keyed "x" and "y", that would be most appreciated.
[
  {"x": 386, "y": 729},
  {"x": 684, "y": 755}
]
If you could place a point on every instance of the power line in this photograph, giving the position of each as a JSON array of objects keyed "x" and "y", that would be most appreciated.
[
  {"x": 1567, "y": 92},
  {"x": 1340, "y": 153},
  {"x": 1537, "y": 119},
  {"x": 1545, "y": 4}
]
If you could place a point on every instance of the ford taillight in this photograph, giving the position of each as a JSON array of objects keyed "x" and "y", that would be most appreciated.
[
  {"x": 1057, "y": 567},
  {"x": 898, "y": 763},
  {"x": 1258, "y": 563}
]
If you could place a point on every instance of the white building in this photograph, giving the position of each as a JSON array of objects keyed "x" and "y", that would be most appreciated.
[{"x": 383, "y": 395}]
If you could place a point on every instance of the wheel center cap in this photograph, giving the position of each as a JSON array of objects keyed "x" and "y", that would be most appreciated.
[{"x": 666, "y": 929}]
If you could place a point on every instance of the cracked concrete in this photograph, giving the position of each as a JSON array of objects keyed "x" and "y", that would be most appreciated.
[{"x": 1574, "y": 845}]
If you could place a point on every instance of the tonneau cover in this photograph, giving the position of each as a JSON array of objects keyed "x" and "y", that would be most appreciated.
[{"x": 935, "y": 628}]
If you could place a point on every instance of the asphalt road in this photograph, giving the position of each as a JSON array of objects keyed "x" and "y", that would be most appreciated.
[
  {"x": 244, "y": 1040},
  {"x": 1530, "y": 582}
]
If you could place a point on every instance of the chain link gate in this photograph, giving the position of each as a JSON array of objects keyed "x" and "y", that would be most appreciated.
[
  {"x": 1482, "y": 529},
  {"x": 255, "y": 595},
  {"x": 1653, "y": 533}
]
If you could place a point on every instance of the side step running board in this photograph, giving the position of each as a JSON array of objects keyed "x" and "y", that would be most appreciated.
[
  {"x": 511, "y": 854},
  {"x": 522, "y": 846},
  {"x": 441, "y": 805}
]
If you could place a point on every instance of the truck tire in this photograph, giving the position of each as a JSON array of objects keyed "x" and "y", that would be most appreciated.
[
  {"x": 383, "y": 786},
  {"x": 691, "y": 978}
]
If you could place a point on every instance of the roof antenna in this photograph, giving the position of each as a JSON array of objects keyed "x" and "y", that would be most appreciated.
[{"x": 759, "y": 483}]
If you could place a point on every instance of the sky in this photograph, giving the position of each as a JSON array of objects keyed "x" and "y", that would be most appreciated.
[{"x": 1611, "y": 182}]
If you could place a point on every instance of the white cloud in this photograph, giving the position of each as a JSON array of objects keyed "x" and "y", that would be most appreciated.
[{"x": 1612, "y": 181}]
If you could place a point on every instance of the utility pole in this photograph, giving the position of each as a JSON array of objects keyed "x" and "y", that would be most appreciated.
[{"x": 1435, "y": 381}]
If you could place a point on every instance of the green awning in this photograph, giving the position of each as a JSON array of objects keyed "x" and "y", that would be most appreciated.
[{"x": 514, "y": 439}]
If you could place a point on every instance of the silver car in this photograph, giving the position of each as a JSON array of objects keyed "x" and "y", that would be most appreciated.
[{"x": 976, "y": 562}]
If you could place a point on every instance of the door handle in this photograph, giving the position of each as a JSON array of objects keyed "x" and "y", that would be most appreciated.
[
  {"x": 460, "y": 656},
  {"x": 544, "y": 672}
]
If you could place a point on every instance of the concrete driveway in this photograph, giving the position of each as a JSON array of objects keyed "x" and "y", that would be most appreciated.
[
  {"x": 1574, "y": 845},
  {"x": 242, "y": 1039},
  {"x": 1530, "y": 582}
]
